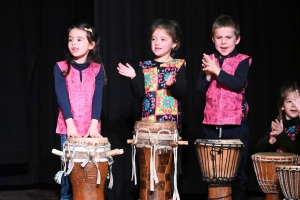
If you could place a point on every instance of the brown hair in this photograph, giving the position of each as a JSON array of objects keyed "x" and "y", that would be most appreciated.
[
  {"x": 285, "y": 89},
  {"x": 226, "y": 21},
  {"x": 172, "y": 28}
]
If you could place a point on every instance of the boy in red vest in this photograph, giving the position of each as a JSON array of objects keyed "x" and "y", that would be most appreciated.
[{"x": 223, "y": 79}]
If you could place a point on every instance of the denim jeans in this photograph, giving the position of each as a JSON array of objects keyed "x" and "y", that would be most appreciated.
[{"x": 66, "y": 188}]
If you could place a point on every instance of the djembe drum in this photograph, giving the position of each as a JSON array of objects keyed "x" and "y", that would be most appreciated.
[
  {"x": 289, "y": 181},
  {"x": 265, "y": 169},
  {"x": 156, "y": 146},
  {"x": 86, "y": 161},
  {"x": 219, "y": 161}
]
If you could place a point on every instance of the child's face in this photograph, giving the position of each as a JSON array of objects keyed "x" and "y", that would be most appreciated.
[
  {"x": 162, "y": 44},
  {"x": 289, "y": 107},
  {"x": 225, "y": 40},
  {"x": 79, "y": 45}
]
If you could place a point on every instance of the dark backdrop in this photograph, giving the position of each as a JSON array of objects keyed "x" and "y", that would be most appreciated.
[{"x": 34, "y": 37}]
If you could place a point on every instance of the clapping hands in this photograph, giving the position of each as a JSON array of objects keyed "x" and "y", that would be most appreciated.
[{"x": 209, "y": 65}]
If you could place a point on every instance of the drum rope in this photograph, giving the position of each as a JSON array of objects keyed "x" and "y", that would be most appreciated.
[
  {"x": 110, "y": 162},
  {"x": 87, "y": 159},
  {"x": 175, "y": 151},
  {"x": 153, "y": 148},
  {"x": 133, "y": 171}
]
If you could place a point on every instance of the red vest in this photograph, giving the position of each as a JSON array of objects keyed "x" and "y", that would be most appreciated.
[
  {"x": 81, "y": 97},
  {"x": 223, "y": 105}
]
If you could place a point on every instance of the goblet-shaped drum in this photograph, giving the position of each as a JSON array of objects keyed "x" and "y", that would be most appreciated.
[
  {"x": 265, "y": 169},
  {"x": 219, "y": 161},
  {"x": 289, "y": 181}
]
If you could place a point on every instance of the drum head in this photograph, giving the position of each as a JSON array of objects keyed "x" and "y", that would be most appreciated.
[
  {"x": 88, "y": 141},
  {"x": 273, "y": 156},
  {"x": 155, "y": 127},
  {"x": 227, "y": 142}
]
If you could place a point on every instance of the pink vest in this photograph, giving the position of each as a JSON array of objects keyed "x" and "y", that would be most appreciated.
[
  {"x": 81, "y": 98},
  {"x": 223, "y": 105}
]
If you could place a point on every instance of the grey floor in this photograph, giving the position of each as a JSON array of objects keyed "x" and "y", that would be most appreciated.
[{"x": 53, "y": 194}]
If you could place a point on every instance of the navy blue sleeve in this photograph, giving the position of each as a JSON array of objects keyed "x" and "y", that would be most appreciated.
[
  {"x": 62, "y": 93},
  {"x": 238, "y": 80},
  {"x": 178, "y": 89},
  {"x": 202, "y": 83},
  {"x": 97, "y": 98}
]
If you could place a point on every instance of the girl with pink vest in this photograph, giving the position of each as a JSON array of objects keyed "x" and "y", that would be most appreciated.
[
  {"x": 223, "y": 79},
  {"x": 78, "y": 84}
]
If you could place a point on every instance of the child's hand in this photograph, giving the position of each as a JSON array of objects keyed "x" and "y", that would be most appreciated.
[
  {"x": 93, "y": 130},
  {"x": 171, "y": 79},
  {"x": 277, "y": 127},
  {"x": 209, "y": 65},
  {"x": 127, "y": 70},
  {"x": 71, "y": 129},
  {"x": 296, "y": 100},
  {"x": 272, "y": 139}
]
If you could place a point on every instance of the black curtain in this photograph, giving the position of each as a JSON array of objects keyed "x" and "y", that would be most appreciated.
[{"x": 34, "y": 37}]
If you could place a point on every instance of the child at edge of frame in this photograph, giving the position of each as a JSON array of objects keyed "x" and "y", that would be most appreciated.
[
  {"x": 283, "y": 135},
  {"x": 81, "y": 72},
  {"x": 223, "y": 79}
]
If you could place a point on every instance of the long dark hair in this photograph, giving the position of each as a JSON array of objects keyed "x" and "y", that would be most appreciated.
[{"x": 93, "y": 55}]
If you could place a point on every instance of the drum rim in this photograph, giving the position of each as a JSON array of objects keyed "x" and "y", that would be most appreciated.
[
  {"x": 88, "y": 140},
  {"x": 278, "y": 155},
  {"x": 225, "y": 142},
  {"x": 288, "y": 167}
]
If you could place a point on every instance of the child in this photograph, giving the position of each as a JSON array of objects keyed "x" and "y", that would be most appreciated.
[
  {"x": 162, "y": 81},
  {"x": 78, "y": 85},
  {"x": 285, "y": 128},
  {"x": 224, "y": 79}
]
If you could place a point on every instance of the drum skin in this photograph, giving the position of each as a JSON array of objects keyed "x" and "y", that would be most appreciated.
[
  {"x": 83, "y": 181},
  {"x": 265, "y": 169},
  {"x": 163, "y": 164}
]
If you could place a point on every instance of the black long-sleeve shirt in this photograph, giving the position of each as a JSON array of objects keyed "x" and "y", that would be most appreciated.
[
  {"x": 288, "y": 140},
  {"x": 177, "y": 90}
]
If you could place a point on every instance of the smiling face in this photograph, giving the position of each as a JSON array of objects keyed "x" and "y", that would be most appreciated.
[
  {"x": 225, "y": 40},
  {"x": 79, "y": 45},
  {"x": 289, "y": 107},
  {"x": 161, "y": 45}
]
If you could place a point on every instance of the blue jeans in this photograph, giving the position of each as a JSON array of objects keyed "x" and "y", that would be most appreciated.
[{"x": 66, "y": 187}]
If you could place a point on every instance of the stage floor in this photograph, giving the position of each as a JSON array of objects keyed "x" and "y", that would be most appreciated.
[{"x": 50, "y": 193}]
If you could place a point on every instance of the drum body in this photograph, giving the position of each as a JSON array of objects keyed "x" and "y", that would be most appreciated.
[
  {"x": 265, "y": 169},
  {"x": 88, "y": 160},
  {"x": 289, "y": 181},
  {"x": 219, "y": 161},
  {"x": 155, "y": 156}
]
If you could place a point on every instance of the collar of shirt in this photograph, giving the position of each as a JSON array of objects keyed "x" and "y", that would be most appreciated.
[{"x": 80, "y": 66}]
